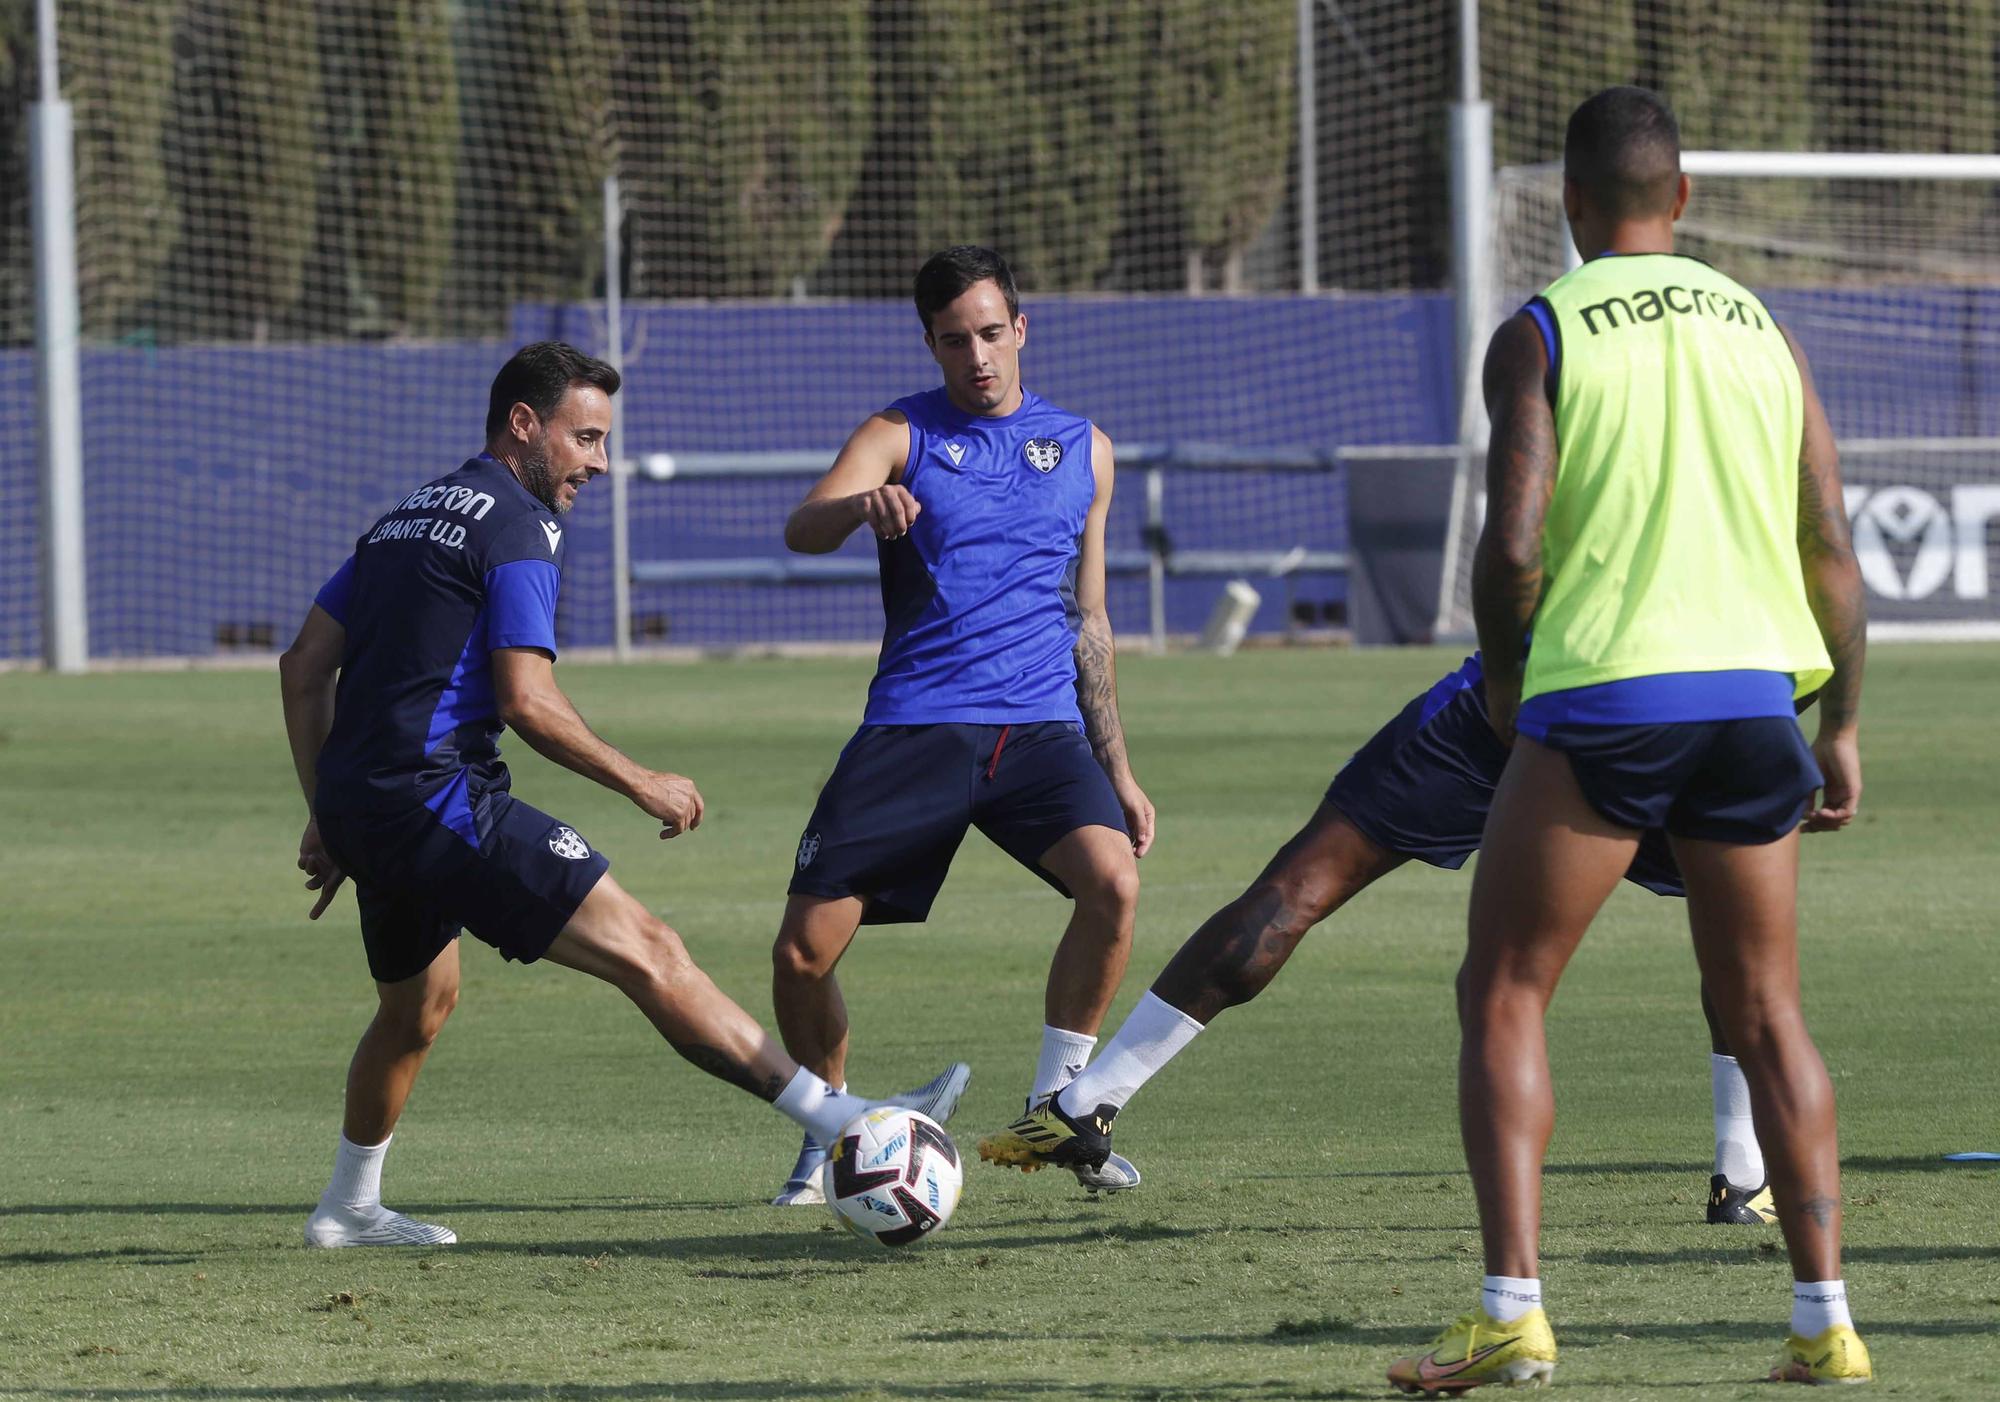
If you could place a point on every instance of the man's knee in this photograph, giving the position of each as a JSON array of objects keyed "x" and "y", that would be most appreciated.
[
  {"x": 1298, "y": 895},
  {"x": 794, "y": 959},
  {"x": 1757, "y": 1026},
  {"x": 1110, "y": 893},
  {"x": 645, "y": 956},
  {"x": 415, "y": 1023}
]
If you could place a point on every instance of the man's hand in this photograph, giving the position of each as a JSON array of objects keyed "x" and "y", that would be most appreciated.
[
  {"x": 321, "y": 873},
  {"x": 673, "y": 799},
  {"x": 1839, "y": 756},
  {"x": 1138, "y": 813},
  {"x": 889, "y": 510},
  {"x": 1503, "y": 706}
]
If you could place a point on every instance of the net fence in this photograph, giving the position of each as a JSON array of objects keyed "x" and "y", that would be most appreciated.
[{"x": 308, "y": 233}]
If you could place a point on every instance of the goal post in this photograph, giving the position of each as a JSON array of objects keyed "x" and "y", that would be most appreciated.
[{"x": 1884, "y": 266}]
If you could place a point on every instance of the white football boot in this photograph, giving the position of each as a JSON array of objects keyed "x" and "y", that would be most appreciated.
[
  {"x": 937, "y": 1099},
  {"x": 333, "y": 1225}
]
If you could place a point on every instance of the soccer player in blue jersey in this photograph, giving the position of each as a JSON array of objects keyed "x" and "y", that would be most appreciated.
[
  {"x": 435, "y": 634},
  {"x": 994, "y": 704},
  {"x": 1419, "y": 789}
]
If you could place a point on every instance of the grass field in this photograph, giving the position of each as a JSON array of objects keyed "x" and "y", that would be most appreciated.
[{"x": 175, "y": 1035}]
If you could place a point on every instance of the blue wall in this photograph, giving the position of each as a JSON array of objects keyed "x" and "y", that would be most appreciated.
[{"x": 224, "y": 483}]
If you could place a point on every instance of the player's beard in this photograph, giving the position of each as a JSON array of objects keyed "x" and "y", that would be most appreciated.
[{"x": 538, "y": 475}]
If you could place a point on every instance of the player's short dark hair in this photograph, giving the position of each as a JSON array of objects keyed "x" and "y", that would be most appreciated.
[
  {"x": 944, "y": 277},
  {"x": 539, "y": 376},
  {"x": 1624, "y": 148}
]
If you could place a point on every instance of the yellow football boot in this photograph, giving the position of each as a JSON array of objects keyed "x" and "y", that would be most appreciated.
[
  {"x": 1478, "y": 1349},
  {"x": 1045, "y": 1135},
  {"x": 1744, "y": 1206},
  {"x": 1835, "y": 1356}
]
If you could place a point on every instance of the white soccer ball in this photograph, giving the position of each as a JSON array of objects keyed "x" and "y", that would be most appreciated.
[{"x": 893, "y": 1176}]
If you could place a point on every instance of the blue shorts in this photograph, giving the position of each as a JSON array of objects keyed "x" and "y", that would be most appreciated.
[
  {"x": 1422, "y": 785},
  {"x": 417, "y": 881},
  {"x": 890, "y": 819},
  {"x": 1741, "y": 781}
]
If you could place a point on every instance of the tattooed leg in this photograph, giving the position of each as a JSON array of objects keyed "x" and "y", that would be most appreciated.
[{"x": 1240, "y": 948}]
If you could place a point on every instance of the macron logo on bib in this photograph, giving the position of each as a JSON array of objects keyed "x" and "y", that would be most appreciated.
[
  {"x": 554, "y": 533},
  {"x": 957, "y": 451}
]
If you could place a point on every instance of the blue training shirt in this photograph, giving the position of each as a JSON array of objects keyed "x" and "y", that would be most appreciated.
[
  {"x": 463, "y": 565},
  {"x": 980, "y": 597}
]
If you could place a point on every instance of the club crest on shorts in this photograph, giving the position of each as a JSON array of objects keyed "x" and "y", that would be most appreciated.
[
  {"x": 808, "y": 849},
  {"x": 565, "y": 843},
  {"x": 1042, "y": 453}
]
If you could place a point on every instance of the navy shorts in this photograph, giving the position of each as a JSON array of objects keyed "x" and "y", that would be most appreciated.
[
  {"x": 1423, "y": 783},
  {"x": 892, "y": 815},
  {"x": 417, "y": 881},
  {"x": 1741, "y": 781}
]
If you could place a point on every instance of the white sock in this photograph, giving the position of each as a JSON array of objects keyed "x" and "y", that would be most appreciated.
[
  {"x": 1818, "y": 1305},
  {"x": 1063, "y": 1056},
  {"x": 1507, "y": 1297},
  {"x": 1151, "y": 1037},
  {"x": 357, "y": 1176},
  {"x": 818, "y": 1108},
  {"x": 1737, "y": 1155}
]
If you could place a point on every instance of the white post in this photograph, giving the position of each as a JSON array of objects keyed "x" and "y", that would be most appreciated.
[
  {"x": 1308, "y": 153},
  {"x": 58, "y": 371},
  {"x": 614, "y": 354},
  {"x": 1156, "y": 557},
  {"x": 1472, "y": 268},
  {"x": 1471, "y": 223}
]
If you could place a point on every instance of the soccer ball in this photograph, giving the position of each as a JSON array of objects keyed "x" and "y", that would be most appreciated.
[{"x": 893, "y": 1176}]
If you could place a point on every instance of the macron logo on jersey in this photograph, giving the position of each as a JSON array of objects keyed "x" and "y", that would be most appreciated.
[
  {"x": 957, "y": 451},
  {"x": 554, "y": 533}
]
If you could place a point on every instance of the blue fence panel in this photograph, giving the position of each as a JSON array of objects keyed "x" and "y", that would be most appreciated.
[{"x": 223, "y": 483}]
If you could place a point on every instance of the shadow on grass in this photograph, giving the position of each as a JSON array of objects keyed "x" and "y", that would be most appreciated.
[
  {"x": 742, "y": 1252},
  {"x": 1457, "y": 1173},
  {"x": 465, "y": 1390},
  {"x": 1864, "y": 1163},
  {"x": 1914, "y": 1163},
  {"x": 132, "y": 1255},
  {"x": 1291, "y": 1334},
  {"x": 1770, "y": 1249},
  {"x": 752, "y": 1255},
  {"x": 304, "y": 1205}
]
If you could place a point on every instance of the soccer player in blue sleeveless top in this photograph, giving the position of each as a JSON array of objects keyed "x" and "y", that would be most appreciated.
[
  {"x": 437, "y": 633},
  {"x": 994, "y": 704}
]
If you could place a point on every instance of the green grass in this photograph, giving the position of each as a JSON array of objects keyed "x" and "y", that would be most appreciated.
[{"x": 173, "y": 1036}]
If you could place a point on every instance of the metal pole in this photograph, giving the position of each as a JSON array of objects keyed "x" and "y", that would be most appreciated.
[
  {"x": 614, "y": 353},
  {"x": 1308, "y": 153},
  {"x": 1472, "y": 222},
  {"x": 1156, "y": 557},
  {"x": 58, "y": 362},
  {"x": 1472, "y": 264},
  {"x": 1468, "y": 50}
]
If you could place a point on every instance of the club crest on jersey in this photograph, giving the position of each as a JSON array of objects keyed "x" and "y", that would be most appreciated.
[
  {"x": 1042, "y": 453},
  {"x": 808, "y": 849},
  {"x": 565, "y": 843}
]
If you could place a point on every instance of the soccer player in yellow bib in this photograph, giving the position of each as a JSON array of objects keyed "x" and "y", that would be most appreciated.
[{"x": 1665, "y": 510}]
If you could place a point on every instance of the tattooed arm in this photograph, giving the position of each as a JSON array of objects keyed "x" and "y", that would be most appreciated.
[
  {"x": 1833, "y": 589},
  {"x": 1096, "y": 660},
  {"x": 1520, "y": 479}
]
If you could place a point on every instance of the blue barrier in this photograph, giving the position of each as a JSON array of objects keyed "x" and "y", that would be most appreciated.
[{"x": 224, "y": 483}]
